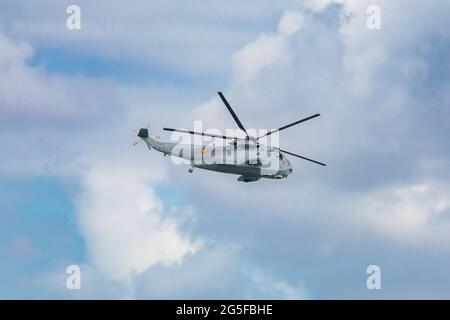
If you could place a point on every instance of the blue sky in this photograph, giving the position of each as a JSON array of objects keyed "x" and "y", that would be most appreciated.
[{"x": 75, "y": 191}]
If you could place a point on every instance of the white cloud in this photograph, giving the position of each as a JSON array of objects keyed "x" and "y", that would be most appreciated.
[
  {"x": 32, "y": 97},
  {"x": 212, "y": 272},
  {"x": 268, "y": 50},
  {"x": 317, "y": 5},
  {"x": 416, "y": 214},
  {"x": 124, "y": 225},
  {"x": 361, "y": 68},
  {"x": 404, "y": 26},
  {"x": 52, "y": 112},
  {"x": 195, "y": 40},
  {"x": 13, "y": 55},
  {"x": 290, "y": 22},
  {"x": 266, "y": 286},
  {"x": 264, "y": 52}
]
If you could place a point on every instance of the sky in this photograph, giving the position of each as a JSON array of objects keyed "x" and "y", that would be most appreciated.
[{"x": 74, "y": 190}]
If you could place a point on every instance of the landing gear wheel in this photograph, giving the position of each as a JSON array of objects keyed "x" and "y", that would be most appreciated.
[{"x": 191, "y": 170}]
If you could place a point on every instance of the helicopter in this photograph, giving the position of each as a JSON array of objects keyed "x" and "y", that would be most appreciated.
[{"x": 246, "y": 157}]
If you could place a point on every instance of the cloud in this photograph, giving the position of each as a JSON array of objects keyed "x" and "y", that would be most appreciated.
[
  {"x": 361, "y": 69},
  {"x": 213, "y": 272},
  {"x": 404, "y": 28},
  {"x": 317, "y": 5},
  {"x": 217, "y": 271},
  {"x": 194, "y": 40},
  {"x": 268, "y": 50},
  {"x": 51, "y": 112},
  {"x": 290, "y": 22},
  {"x": 31, "y": 97},
  {"x": 416, "y": 214},
  {"x": 267, "y": 287},
  {"x": 124, "y": 225},
  {"x": 259, "y": 54}
]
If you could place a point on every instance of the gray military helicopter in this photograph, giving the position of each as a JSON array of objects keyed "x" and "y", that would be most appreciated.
[{"x": 246, "y": 157}]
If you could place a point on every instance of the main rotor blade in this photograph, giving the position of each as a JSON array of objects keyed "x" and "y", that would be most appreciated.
[
  {"x": 200, "y": 133},
  {"x": 236, "y": 119},
  {"x": 289, "y": 125},
  {"x": 304, "y": 158}
]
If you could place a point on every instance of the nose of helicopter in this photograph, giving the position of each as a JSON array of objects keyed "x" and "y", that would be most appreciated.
[{"x": 287, "y": 170}]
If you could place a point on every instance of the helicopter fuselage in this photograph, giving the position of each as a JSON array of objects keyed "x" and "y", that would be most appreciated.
[{"x": 246, "y": 160}]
